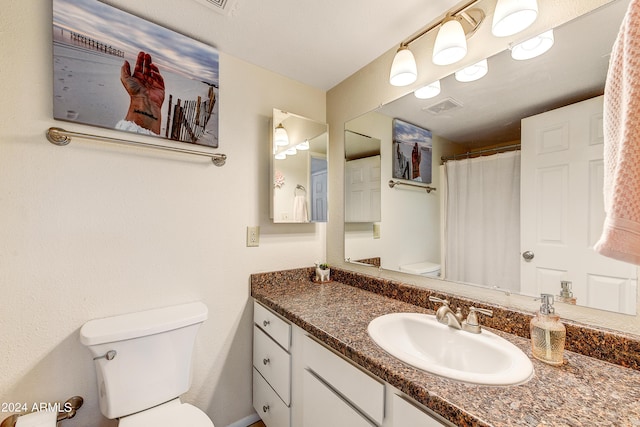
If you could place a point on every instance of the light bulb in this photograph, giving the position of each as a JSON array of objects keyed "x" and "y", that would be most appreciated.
[
  {"x": 533, "y": 47},
  {"x": 451, "y": 43},
  {"x": 429, "y": 91},
  {"x": 473, "y": 72},
  {"x": 512, "y": 16},
  {"x": 404, "y": 70}
]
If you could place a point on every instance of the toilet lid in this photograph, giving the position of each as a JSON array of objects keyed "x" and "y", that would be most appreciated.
[
  {"x": 420, "y": 267},
  {"x": 169, "y": 414}
]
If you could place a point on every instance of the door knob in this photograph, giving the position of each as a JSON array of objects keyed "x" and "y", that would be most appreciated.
[{"x": 528, "y": 255}]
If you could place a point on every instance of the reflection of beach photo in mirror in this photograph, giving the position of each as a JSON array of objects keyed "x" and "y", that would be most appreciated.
[
  {"x": 412, "y": 147},
  {"x": 117, "y": 71}
]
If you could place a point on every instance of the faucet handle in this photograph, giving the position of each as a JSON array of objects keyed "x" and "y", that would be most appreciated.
[
  {"x": 471, "y": 324},
  {"x": 439, "y": 300}
]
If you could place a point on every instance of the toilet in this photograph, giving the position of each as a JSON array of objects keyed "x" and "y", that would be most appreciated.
[
  {"x": 424, "y": 268},
  {"x": 143, "y": 365}
]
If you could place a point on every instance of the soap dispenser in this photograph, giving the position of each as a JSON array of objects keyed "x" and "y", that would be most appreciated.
[
  {"x": 547, "y": 333},
  {"x": 566, "y": 295}
]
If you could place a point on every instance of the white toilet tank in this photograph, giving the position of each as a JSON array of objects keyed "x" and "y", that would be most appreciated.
[{"x": 151, "y": 361}]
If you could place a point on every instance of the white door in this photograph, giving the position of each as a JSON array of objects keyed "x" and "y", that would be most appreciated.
[
  {"x": 318, "y": 182},
  {"x": 562, "y": 210},
  {"x": 362, "y": 192}
]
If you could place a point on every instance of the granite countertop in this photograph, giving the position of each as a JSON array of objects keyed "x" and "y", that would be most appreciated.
[{"x": 583, "y": 392}]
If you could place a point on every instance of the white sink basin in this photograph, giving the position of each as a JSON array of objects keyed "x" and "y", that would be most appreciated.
[{"x": 421, "y": 341}]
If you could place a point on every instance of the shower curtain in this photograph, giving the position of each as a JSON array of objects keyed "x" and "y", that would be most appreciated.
[{"x": 482, "y": 220}]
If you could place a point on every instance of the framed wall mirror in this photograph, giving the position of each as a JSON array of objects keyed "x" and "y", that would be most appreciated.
[
  {"x": 298, "y": 169},
  {"x": 481, "y": 122}
]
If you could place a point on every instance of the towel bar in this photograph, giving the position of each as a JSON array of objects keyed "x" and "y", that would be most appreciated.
[{"x": 61, "y": 137}]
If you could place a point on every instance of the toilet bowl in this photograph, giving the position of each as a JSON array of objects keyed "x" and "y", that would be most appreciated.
[
  {"x": 173, "y": 413},
  {"x": 424, "y": 268},
  {"x": 143, "y": 365}
]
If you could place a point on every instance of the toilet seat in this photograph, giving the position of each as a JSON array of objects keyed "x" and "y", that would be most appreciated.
[{"x": 170, "y": 414}]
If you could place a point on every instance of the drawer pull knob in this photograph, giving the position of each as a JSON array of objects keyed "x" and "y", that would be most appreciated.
[
  {"x": 265, "y": 408},
  {"x": 265, "y": 323},
  {"x": 266, "y": 361}
]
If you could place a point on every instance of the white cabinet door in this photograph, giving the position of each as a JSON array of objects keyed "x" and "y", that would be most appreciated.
[
  {"x": 407, "y": 415},
  {"x": 323, "y": 408},
  {"x": 562, "y": 209},
  {"x": 361, "y": 389}
]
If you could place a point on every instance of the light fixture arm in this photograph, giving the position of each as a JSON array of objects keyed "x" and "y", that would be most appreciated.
[{"x": 471, "y": 20}]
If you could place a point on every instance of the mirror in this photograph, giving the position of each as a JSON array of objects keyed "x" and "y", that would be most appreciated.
[
  {"x": 298, "y": 169},
  {"x": 484, "y": 117}
]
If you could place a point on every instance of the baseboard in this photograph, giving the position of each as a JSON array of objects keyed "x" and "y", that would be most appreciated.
[{"x": 246, "y": 421}]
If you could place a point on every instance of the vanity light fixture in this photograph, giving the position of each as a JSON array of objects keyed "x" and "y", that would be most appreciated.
[
  {"x": 450, "y": 45},
  {"x": 513, "y": 16},
  {"x": 473, "y": 72},
  {"x": 280, "y": 156},
  {"x": 280, "y": 137},
  {"x": 291, "y": 151},
  {"x": 304, "y": 145},
  {"x": 429, "y": 91},
  {"x": 404, "y": 70},
  {"x": 533, "y": 47}
]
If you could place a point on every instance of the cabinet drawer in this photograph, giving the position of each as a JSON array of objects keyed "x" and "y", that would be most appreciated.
[
  {"x": 362, "y": 390},
  {"x": 406, "y": 414},
  {"x": 267, "y": 404},
  {"x": 269, "y": 322},
  {"x": 324, "y": 408},
  {"x": 273, "y": 363}
]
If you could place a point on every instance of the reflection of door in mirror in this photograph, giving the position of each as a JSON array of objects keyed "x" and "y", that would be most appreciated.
[
  {"x": 362, "y": 197},
  {"x": 318, "y": 188},
  {"x": 298, "y": 169},
  {"x": 563, "y": 210}
]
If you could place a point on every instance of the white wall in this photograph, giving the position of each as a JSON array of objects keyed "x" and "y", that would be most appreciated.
[{"x": 92, "y": 229}]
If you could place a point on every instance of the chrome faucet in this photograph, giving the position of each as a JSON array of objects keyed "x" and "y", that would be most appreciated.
[
  {"x": 471, "y": 324},
  {"x": 445, "y": 315}
]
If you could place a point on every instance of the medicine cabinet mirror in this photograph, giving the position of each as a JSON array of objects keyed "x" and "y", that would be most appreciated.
[
  {"x": 298, "y": 169},
  {"x": 410, "y": 236}
]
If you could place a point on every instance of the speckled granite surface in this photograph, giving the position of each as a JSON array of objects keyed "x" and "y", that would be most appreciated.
[{"x": 583, "y": 392}]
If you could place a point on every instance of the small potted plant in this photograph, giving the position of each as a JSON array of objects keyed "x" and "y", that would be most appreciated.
[{"x": 323, "y": 272}]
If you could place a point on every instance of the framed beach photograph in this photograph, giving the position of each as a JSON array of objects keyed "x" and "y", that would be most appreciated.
[
  {"x": 115, "y": 70},
  {"x": 412, "y": 152}
]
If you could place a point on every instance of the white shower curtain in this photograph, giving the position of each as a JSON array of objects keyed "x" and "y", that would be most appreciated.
[{"x": 482, "y": 220}]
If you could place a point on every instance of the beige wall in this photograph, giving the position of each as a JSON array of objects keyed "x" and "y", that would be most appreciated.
[
  {"x": 369, "y": 88},
  {"x": 92, "y": 229}
]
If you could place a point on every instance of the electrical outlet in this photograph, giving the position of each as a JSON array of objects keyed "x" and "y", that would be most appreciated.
[{"x": 253, "y": 236}]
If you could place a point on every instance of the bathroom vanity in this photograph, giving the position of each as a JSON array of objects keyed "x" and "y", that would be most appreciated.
[
  {"x": 299, "y": 381},
  {"x": 339, "y": 376}
]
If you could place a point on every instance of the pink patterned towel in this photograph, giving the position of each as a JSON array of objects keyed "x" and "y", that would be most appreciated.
[{"x": 621, "y": 234}]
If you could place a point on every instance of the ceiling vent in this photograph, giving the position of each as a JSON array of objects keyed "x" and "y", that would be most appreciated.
[
  {"x": 445, "y": 105},
  {"x": 221, "y": 6}
]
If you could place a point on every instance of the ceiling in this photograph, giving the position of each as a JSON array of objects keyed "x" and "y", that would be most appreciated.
[{"x": 316, "y": 42}]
